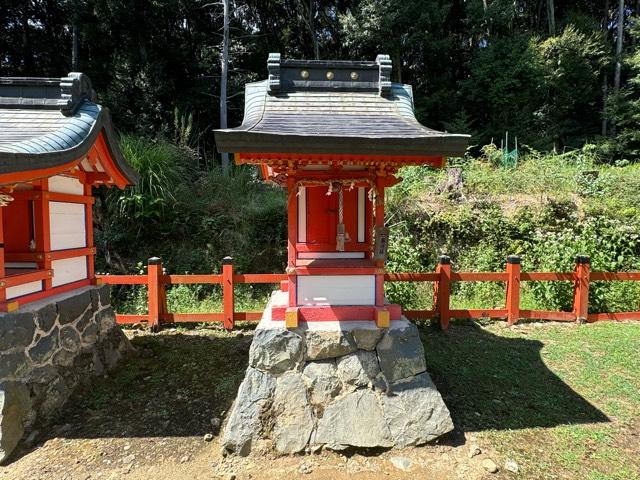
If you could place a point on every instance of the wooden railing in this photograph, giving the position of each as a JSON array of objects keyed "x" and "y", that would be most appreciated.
[{"x": 158, "y": 313}]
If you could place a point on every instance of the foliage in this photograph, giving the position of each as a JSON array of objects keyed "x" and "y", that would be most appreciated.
[
  {"x": 624, "y": 109},
  {"x": 479, "y": 67},
  {"x": 548, "y": 209}
]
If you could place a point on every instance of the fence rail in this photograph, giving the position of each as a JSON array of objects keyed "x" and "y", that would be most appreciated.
[{"x": 158, "y": 313}]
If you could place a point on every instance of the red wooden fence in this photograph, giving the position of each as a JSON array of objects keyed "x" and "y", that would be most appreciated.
[{"x": 158, "y": 313}]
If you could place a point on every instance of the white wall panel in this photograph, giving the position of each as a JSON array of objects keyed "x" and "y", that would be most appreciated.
[
  {"x": 62, "y": 184},
  {"x": 25, "y": 289},
  {"x": 336, "y": 289},
  {"x": 69, "y": 270},
  {"x": 67, "y": 224},
  {"x": 312, "y": 255}
]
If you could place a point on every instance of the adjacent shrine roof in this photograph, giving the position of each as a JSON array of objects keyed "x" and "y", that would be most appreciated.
[
  {"x": 334, "y": 107},
  {"x": 51, "y": 124}
]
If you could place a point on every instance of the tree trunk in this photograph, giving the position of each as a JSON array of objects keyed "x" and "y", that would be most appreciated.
[
  {"x": 619, "y": 40},
  {"x": 224, "y": 68},
  {"x": 551, "y": 17},
  {"x": 605, "y": 89},
  {"x": 312, "y": 28},
  {"x": 617, "y": 78},
  {"x": 605, "y": 80},
  {"x": 74, "y": 49}
]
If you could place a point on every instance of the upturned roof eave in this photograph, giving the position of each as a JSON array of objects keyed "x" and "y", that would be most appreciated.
[{"x": 243, "y": 140}]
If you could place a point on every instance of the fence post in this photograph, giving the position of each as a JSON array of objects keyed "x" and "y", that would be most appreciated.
[
  {"x": 154, "y": 270},
  {"x": 442, "y": 290},
  {"x": 228, "y": 300},
  {"x": 581, "y": 288},
  {"x": 513, "y": 289}
]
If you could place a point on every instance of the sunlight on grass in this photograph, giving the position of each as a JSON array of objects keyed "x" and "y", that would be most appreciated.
[{"x": 563, "y": 401}]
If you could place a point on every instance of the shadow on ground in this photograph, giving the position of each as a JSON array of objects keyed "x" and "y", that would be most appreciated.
[
  {"x": 173, "y": 387},
  {"x": 490, "y": 382}
]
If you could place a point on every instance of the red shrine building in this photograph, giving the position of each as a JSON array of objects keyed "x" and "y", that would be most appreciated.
[
  {"x": 56, "y": 143},
  {"x": 334, "y": 134}
]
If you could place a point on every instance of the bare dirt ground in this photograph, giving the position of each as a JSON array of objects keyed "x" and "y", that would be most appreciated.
[
  {"x": 549, "y": 401},
  {"x": 193, "y": 458},
  {"x": 148, "y": 420}
]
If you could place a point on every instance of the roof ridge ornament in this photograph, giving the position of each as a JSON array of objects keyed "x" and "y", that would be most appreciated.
[
  {"x": 273, "y": 67},
  {"x": 75, "y": 88},
  {"x": 384, "y": 82}
]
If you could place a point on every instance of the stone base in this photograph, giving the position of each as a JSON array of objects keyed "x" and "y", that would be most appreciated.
[
  {"x": 335, "y": 385},
  {"x": 49, "y": 347}
]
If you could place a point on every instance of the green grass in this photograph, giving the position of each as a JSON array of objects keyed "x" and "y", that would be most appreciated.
[{"x": 563, "y": 401}]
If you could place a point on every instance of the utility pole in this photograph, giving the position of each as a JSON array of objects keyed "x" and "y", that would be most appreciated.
[{"x": 224, "y": 68}]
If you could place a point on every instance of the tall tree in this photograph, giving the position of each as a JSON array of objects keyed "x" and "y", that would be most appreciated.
[
  {"x": 551, "y": 17},
  {"x": 619, "y": 44},
  {"x": 224, "y": 68}
]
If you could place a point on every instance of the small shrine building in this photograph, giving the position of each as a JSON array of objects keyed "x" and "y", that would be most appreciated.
[
  {"x": 56, "y": 143},
  {"x": 334, "y": 133}
]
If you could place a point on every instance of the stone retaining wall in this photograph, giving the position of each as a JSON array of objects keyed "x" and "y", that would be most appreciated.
[
  {"x": 335, "y": 385},
  {"x": 46, "y": 349}
]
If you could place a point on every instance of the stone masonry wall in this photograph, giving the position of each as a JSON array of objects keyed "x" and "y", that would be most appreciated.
[
  {"x": 46, "y": 349},
  {"x": 335, "y": 386}
]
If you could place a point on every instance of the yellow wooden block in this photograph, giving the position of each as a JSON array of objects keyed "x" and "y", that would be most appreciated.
[
  {"x": 12, "y": 306},
  {"x": 291, "y": 318},
  {"x": 383, "y": 318}
]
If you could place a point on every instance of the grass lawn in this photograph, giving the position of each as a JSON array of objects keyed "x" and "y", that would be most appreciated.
[{"x": 561, "y": 400}]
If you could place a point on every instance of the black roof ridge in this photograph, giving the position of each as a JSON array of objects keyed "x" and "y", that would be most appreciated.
[{"x": 64, "y": 93}]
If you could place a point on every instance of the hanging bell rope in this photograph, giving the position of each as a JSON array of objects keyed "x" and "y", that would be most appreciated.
[
  {"x": 337, "y": 186},
  {"x": 340, "y": 230}
]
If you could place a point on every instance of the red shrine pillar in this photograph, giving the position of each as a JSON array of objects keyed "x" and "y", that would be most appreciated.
[{"x": 383, "y": 317}]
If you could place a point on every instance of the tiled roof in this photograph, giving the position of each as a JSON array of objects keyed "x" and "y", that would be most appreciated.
[
  {"x": 334, "y": 107},
  {"x": 48, "y": 122}
]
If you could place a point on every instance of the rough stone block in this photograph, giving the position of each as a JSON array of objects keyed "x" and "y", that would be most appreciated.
[
  {"x": 15, "y": 407},
  {"x": 329, "y": 343},
  {"x": 367, "y": 338},
  {"x": 359, "y": 368},
  {"x": 46, "y": 317},
  {"x": 353, "y": 420},
  {"x": 45, "y": 347},
  {"x": 70, "y": 308},
  {"x": 401, "y": 353},
  {"x": 415, "y": 412},
  {"x": 276, "y": 350},
  {"x": 69, "y": 338},
  {"x": 12, "y": 365},
  {"x": 245, "y": 421},
  {"x": 105, "y": 320},
  {"x": 100, "y": 296},
  {"x": 16, "y": 330},
  {"x": 292, "y": 414},
  {"x": 322, "y": 378}
]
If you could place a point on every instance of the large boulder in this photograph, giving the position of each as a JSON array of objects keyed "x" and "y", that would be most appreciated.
[
  {"x": 415, "y": 412},
  {"x": 293, "y": 418},
  {"x": 245, "y": 423},
  {"x": 276, "y": 350},
  {"x": 323, "y": 344},
  {"x": 355, "y": 420},
  {"x": 323, "y": 382},
  {"x": 401, "y": 353},
  {"x": 15, "y": 407},
  {"x": 359, "y": 368}
]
